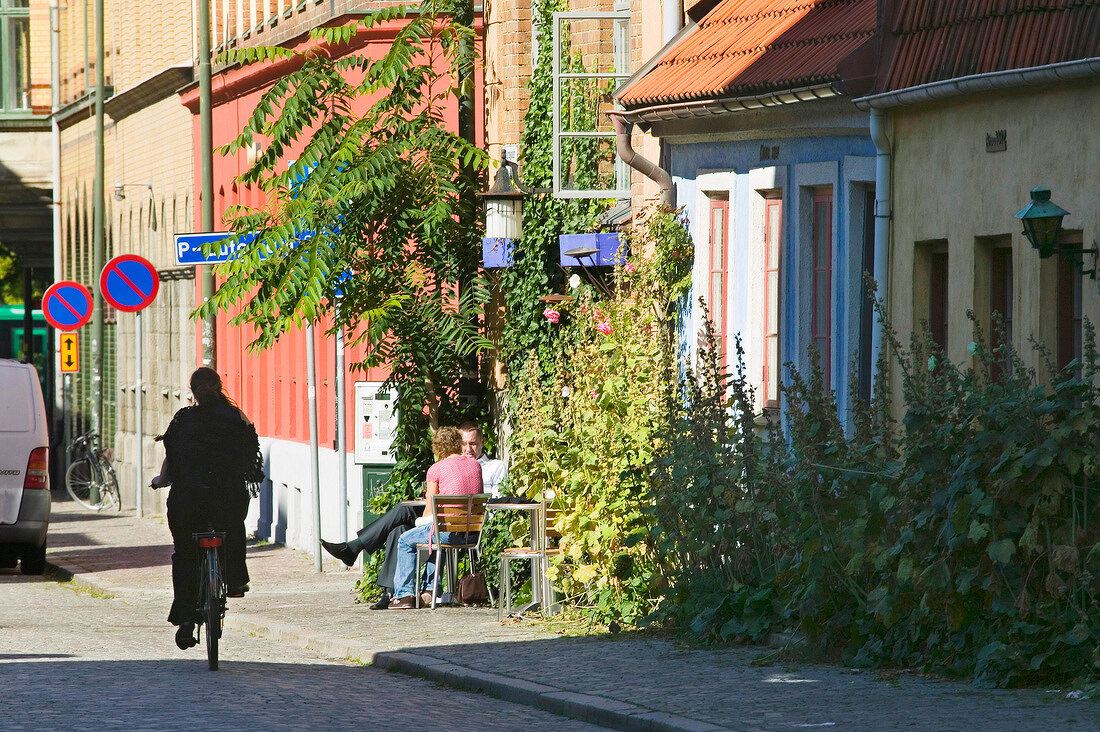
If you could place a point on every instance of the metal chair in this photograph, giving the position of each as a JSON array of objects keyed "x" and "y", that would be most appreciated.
[
  {"x": 460, "y": 515},
  {"x": 539, "y": 553}
]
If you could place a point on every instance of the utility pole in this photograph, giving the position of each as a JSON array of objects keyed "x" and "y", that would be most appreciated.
[
  {"x": 206, "y": 156},
  {"x": 467, "y": 130},
  {"x": 99, "y": 246}
]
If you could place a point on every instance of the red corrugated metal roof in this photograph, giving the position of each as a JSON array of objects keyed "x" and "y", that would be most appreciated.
[
  {"x": 934, "y": 40},
  {"x": 744, "y": 47}
]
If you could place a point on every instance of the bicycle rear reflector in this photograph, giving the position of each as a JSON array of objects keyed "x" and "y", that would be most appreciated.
[{"x": 209, "y": 542}]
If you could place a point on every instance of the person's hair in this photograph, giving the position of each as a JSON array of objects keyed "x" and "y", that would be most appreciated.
[
  {"x": 446, "y": 442},
  {"x": 471, "y": 427},
  {"x": 206, "y": 385}
]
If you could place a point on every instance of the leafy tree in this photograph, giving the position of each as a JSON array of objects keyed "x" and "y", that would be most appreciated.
[
  {"x": 11, "y": 280},
  {"x": 377, "y": 212}
]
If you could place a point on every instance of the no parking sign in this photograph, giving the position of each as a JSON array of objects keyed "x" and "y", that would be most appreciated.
[
  {"x": 67, "y": 305},
  {"x": 129, "y": 282}
]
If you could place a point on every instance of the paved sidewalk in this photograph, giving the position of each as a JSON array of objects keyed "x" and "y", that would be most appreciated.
[{"x": 624, "y": 682}]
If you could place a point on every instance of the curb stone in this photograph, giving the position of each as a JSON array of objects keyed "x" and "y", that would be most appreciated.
[{"x": 586, "y": 707}]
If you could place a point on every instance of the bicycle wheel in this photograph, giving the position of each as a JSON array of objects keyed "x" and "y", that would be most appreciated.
[
  {"x": 212, "y": 614},
  {"x": 79, "y": 479},
  {"x": 108, "y": 487}
]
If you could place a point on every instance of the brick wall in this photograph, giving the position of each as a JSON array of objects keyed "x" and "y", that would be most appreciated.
[{"x": 508, "y": 61}]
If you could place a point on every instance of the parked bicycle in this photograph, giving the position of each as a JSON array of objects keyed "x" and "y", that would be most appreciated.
[
  {"x": 90, "y": 478},
  {"x": 212, "y": 591}
]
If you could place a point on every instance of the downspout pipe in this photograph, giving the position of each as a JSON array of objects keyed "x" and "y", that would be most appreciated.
[
  {"x": 883, "y": 214},
  {"x": 672, "y": 19},
  {"x": 647, "y": 168}
]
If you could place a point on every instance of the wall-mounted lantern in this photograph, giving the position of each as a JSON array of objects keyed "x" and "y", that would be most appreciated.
[
  {"x": 504, "y": 203},
  {"x": 504, "y": 214},
  {"x": 1042, "y": 220}
]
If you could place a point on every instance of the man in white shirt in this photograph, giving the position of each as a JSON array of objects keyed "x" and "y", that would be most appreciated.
[{"x": 493, "y": 471}]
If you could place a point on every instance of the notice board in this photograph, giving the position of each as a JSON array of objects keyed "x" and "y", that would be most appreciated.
[{"x": 375, "y": 423}]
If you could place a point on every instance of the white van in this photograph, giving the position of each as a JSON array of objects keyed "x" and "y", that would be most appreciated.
[{"x": 24, "y": 469}]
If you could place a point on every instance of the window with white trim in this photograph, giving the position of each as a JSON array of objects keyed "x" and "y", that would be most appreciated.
[
  {"x": 591, "y": 59},
  {"x": 773, "y": 238},
  {"x": 719, "y": 272},
  {"x": 15, "y": 55}
]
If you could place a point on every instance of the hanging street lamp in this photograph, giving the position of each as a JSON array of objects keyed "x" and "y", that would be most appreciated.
[{"x": 1042, "y": 220}]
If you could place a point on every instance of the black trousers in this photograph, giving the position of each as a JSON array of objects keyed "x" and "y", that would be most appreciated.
[
  {"x": 375, "y": 534},
  {"x": 190, "y": 514},
  {"x": 384, "y": 531}
]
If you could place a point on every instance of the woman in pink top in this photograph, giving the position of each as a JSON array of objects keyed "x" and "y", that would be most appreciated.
[{"x": 452, "y": 474}]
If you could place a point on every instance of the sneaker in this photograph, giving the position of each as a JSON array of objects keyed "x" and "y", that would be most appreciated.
[
  {"x": 185, "y": 636},
  {"x": 237, "y": 591},
  {"x": 341, "y": 551},
  {"x": 403, "y": 603}
]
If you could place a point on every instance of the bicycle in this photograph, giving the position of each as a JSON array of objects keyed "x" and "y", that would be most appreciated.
[
  {"x": 210, "y": 608},
  {"x": 90, "y": 479}
]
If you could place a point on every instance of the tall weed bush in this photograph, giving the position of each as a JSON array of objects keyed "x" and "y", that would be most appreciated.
[
  {"x": 965, "y": 540},
  {"x": 585, "y": 425}
]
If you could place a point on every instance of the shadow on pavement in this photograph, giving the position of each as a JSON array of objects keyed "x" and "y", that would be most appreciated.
[
  {"x": 69, "y": 538},
  {"x": 181, "y": 694},
  {"x": 112, "y": 558}
]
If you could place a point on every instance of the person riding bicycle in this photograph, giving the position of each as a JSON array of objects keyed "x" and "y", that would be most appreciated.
[{"x": 211, "y": 452}]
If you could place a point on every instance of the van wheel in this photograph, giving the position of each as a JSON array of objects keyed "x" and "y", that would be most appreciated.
[
  {"x": 9, "y": 556},
  {"x": 33, "y": 559}
]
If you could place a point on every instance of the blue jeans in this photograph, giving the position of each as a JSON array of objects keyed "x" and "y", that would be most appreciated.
[{"x": 404, "y": 582}]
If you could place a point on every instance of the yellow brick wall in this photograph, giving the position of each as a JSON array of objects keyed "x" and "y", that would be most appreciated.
[{"x": 40, "y": 56}]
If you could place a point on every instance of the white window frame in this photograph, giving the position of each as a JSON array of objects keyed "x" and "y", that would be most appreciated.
[
  {"x": 622, "y": 73},
  {"x": 11, "y": 101}
]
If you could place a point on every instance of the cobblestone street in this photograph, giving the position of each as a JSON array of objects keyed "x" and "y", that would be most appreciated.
[
  {"x": 71, "y": 660},
  {"x": 278, "y": 669}
]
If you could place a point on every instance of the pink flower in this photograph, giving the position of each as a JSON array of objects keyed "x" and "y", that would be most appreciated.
[
  {"x": 604, "y": 327},
  {"x": 593, "y": 394},
  {"x": 551, "y": 315},
  {"x": 630, "y": 267}
]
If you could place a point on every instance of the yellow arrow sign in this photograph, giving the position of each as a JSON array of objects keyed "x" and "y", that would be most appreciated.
[{"x": 70, "y": 353}]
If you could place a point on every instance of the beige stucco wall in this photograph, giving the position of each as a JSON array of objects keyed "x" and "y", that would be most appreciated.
[{"x": 946, "y": 186}]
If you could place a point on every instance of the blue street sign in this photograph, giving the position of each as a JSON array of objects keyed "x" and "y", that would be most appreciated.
[
  {"x": 189, "y": 247},
  {"x": 67, "y": 305},
  {"x": 129, "y": 282}
]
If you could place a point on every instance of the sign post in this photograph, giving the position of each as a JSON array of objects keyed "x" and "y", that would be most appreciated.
[
  {"x": 67, "y": 305},
  {"x": 130, "y": 283}
]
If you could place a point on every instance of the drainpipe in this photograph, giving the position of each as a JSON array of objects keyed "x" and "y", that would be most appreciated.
[
  {"x": 672, "y": 16},
  {"x": 646, "y": 167},
  {"x": 883, "y": 213}
]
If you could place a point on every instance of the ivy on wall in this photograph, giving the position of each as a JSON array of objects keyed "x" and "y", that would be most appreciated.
[{"x": 536, "y": 271}]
